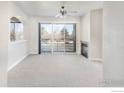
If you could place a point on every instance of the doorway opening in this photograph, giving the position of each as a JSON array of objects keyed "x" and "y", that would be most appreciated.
[{"x": 58, "y": 37}]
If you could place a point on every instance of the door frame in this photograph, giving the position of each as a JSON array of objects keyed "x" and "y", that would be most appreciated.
[{"x": 39, "y": 38}]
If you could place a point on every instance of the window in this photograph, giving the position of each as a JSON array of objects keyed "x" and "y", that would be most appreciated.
[
  {"x": 16, "y": 29},
  {"x": 58, "y": 37}
]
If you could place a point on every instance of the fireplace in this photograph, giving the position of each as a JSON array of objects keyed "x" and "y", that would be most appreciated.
[{"x": 84, "y": 49}]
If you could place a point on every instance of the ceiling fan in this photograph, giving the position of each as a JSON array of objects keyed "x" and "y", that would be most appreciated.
[{"x": 63, "y": 13}]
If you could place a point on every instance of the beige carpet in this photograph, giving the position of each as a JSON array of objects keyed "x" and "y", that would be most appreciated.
[{"x": 56, "y": 71}]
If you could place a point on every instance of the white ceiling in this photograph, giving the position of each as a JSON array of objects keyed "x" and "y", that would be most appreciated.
[{"x": 51, "y": 8}]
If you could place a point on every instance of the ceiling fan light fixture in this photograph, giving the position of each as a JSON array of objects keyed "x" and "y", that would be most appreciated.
[{"x": 62, "y": 13}]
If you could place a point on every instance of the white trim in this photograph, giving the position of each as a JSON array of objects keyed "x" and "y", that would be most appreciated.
[
  {"x": 96, "y": 59},
  {"x": 17, "y": 62},
  {"x": 33, "y": 53}
]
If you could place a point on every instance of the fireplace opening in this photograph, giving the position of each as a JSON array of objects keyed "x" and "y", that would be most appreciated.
[{"x": 84, "y": 49}]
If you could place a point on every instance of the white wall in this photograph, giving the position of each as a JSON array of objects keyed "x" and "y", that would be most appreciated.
[
  {"x": 10, "y": 53},
  {"x": 91, "y": 32},
  {"x": 34, "y": 30},
  {"x": 4, "y": 24},
  {"x": 113, "y": 43},
  {"x": 18, "y": 50},
  {"x": 85, "y": 27},
  {"x": 96, "y": 26}
]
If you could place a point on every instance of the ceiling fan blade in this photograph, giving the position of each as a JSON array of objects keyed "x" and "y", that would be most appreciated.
[
  {"x": 58, "y": 15},
  {"x": 72, "y": 11}
]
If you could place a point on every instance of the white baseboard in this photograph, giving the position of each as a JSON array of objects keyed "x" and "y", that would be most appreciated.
[
  {"x": 17, "y": 62},
  {"x": 33, "y": 53},
  {"x": 96, "y": 59}
]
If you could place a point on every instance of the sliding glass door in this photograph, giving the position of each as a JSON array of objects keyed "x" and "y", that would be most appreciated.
[
  {"x": 57, "y": 38},
  {"x": 70, "y": 38},
  {"x": 46, "y": 38}
]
